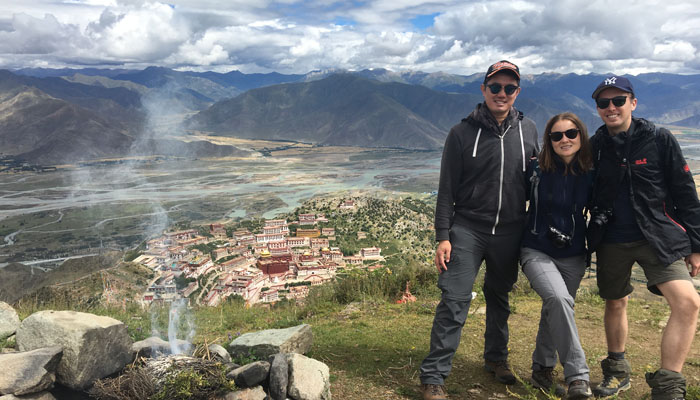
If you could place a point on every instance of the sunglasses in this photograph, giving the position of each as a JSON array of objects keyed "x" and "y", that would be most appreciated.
[
  {"x": 495, "y": 88},
  {"x": 557, "y": 136},
  {"x": 618, "y": 101}
]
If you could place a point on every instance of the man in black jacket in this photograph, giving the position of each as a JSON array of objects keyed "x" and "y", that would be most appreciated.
[
  {"x": 645, "y": 210},
  {"x": 479, "y": 216}
]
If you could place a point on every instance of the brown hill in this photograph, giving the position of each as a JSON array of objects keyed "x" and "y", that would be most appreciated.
[
  {"x": 342, "y": 109},
  {"x": 19, "y": 281},
  {"x": 41, "y": 129}
]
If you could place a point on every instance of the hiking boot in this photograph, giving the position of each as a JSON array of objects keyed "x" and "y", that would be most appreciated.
[
  {"x": 433, "y": 392},
  {"x": 666, "y": 385},
  {"x": 579, "y": 389},
  {"x": 501, "y": 370},
  {"x": 544, "y": 380},
  {"x": 616, "y": 377}
]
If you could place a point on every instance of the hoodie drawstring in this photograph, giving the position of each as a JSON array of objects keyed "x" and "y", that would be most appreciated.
[
  {"x": 476, "y": 144},
  {"x": 522, "y": 144}
]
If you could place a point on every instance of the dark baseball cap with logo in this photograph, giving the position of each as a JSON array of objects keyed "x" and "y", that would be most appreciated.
[
  {"x": 614, "y": 81},
  {"x": 503, "y": 66}
]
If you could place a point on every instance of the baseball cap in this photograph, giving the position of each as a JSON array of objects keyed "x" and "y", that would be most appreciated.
[
  {"x": 503, "y": 65},
  {"x": 614, "y": 81}
]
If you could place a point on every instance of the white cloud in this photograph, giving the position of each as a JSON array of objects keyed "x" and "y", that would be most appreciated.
[
  {"x": 678, "y": 50},
  {"x": 150, "y": 32},
  {"x": 41, "y": 36},
  {"x": 298, "y": 36}
]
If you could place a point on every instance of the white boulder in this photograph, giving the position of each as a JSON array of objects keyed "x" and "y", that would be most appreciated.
[{"x": 93, "y": 346}]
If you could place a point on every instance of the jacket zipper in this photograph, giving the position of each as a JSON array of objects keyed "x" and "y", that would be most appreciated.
[
  {"x": 672, "y": 220},
  {"x": 500, "y": 186}
]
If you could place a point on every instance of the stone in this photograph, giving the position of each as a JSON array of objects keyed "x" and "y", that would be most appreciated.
[
  {"x": 256, "y": 393},
  {"x": 9, "y": 320},
  {"x": 230, "y": 367},
  {"x": 150, "y": 348},
  {"x": 93, "y": 346},
  {"x": 251, "y": 374},
  {"x": 309, "y": 379},
  {"x": 30, "y": 371},
  {"x": 279, "y": 377},
  {"x": 263, "y": 344},
  {"x": 219, "y": 352},
  {"x": 181, "y": 346},
  {"x": 33, "y": 396}
]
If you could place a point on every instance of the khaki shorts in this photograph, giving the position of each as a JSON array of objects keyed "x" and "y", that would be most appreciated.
[{"x": 614, "y": 268}]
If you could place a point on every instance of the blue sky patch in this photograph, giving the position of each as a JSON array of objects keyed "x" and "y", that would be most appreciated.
[
  {"x": 343, "y": 21},
  {"x": 424, "y": 21}
]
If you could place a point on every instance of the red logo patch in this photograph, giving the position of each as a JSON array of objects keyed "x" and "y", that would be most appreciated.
[
  {"x": 686, "y": 168},
  {"x": 643, "y": 161}
]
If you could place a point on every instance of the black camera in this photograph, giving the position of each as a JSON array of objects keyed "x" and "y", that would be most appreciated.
[
  {"x": 601, "y": 217},
  {"x": 559, "y": 239}
]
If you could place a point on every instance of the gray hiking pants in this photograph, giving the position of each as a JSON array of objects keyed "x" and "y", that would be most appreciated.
[
  {"x": 556, "y": 281},
  {"x": 469, "y": 250}
]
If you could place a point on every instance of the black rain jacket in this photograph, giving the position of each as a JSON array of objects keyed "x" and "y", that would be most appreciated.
[{"x": 662, "y": 189}]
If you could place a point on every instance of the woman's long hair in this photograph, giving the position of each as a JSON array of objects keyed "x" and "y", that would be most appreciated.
[{"x": 583, "y": 159}]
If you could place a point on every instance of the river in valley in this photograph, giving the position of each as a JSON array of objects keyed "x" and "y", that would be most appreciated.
[{"x": 78, "y": 209}]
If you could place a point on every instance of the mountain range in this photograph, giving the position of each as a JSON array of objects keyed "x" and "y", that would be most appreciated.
[{"x": 50, "y": 116}]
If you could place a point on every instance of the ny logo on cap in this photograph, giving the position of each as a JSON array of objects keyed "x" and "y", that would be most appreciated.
[{"x": 611, "y": 80}]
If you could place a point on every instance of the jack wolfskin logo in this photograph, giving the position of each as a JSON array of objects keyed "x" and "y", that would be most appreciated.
[
  {"x": 686, "y": 168},
  {"x": 643, "y": 161},
  {"x": 611, "y": 80}
]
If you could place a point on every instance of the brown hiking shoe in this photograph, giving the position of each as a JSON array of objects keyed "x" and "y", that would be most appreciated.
[
  {"x": 545, "y": 380},
  {"x": 433, "y": 392},
  {"x": 501, "y": 370}
]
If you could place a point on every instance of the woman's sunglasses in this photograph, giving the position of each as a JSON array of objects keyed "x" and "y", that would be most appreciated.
[
  {"x": 495, "y": 88},
  {"x": 557, "y": 136},
  {"x": 618, "y": 101}
]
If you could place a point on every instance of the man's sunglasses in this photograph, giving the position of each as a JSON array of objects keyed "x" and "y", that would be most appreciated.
[
  {"x": 557, "y": 136},
  {"x": 495, "y": 88},
  {"x": 618, "y": 101}
]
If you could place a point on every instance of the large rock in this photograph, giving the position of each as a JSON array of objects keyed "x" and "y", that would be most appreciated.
[
  {"x": 29, "y": 372},
  {"x": 9, "y": 320},
  {"x": 309, "y": 379},
  {"x": 93, "y": 346},
  {"x": 263, "y": 344},
  {"x": 33, "y": 396},
  {"x": 279, "y": 377}
]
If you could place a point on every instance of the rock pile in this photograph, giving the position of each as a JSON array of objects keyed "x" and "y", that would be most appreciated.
[{"x": 78, "y": 349}]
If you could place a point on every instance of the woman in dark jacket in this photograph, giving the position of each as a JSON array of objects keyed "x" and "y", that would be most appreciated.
[{"x": 553, "y": 253}]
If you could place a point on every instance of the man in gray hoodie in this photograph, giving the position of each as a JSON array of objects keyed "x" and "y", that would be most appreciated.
[{"x": 480, "y": 216}]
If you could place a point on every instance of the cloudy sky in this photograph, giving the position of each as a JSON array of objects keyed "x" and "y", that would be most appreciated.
[{"x": 294, "y": 36}]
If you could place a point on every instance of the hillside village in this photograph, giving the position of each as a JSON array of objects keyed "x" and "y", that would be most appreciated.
[{"x": 262, "y": 266}]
